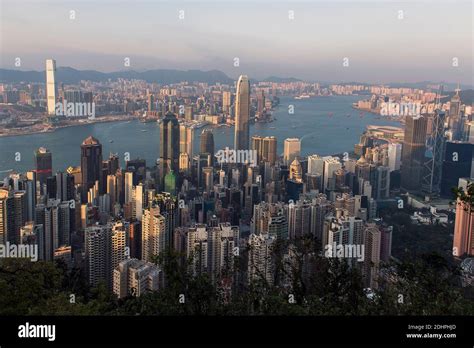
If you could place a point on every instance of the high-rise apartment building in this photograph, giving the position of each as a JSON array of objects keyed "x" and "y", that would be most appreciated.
[
  {"x": 133, "y": 277},
  {"x": 97, "y": 250},
  {"x": 260, "y": 262},
  {"x": 154, "y": 226}
]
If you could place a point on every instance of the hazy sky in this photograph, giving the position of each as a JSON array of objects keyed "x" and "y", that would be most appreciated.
[{"x": 379, "y": 46}]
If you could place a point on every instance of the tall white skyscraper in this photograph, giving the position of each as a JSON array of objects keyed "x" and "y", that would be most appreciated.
[
  {"x": 242, "y": 114},
  {"x": 292, "y": 149},
  {"x": 394, "y": 156},
  {"x": 331, "y": 164},
  {"x": 51, "y": 85}
]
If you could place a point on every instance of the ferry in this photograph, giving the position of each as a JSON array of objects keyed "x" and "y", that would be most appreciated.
[{"x": 303, "y": 96}]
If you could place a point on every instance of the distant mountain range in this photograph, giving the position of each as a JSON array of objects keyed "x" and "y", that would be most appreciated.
[
  {"x": 72, "y": 76},
  {"x": 277, "y": 79},
  {"x": 69, "y": 75},
  {"x": 163, "y": 76}
]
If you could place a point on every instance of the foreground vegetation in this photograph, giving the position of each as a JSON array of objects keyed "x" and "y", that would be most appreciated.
[{"x": 428, "y": 286}]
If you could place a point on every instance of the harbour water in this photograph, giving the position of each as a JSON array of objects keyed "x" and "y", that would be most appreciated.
[{"x": 325, "y": 125}]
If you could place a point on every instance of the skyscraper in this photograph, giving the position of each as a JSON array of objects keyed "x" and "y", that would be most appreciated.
[
  {"x": 212, "y": 247},
  {"x": 413, "y": 152},
  {"x": 260, "y": 101},
  {"x": 188, "y": 112},
  {"x": 458, "y": 163},
  {"x": 394, "y": 156},
  {"x": 207, "y": 143},
  {"x": 315, "y": 164},
  {"x": 431, "y": 179},
  {"x": 292, "y": 149},
  {"x": 44, "y": 165},
  {"x": 97, "y": 248},
  {"x": 299, "y": 219},
  {"x": 153, "y": 233},
  {"x": 242, "y": 114},
  {"x": 186, "y": 139},
  {"x": 51, "y": 86},
  {"x": 261, "y": 264},
  {"x": 91, "y": 164},
  {"x": 455, "y": 117},
  {"x": 463, "y": 243},
  {"x": 226, "y": 102},
  {"x": 118, "y": 247},
  {"x": 169, "y": 146},
  {"x": 266, "y": 148},
  {"x": 331, "y": 164},
  {"x": 372, "y": 242},
  {"x": 7, "y": 215}
]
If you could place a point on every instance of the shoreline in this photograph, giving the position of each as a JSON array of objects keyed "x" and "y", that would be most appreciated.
[{"x": 54, "y": 129}]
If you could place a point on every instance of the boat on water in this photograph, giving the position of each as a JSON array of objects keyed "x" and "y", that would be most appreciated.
[
  {"x": 111, "y": 141},
  {"x": 144, "y": 130},
  {"x": 303, "y": 96},
  {"x": 272, "y": 127}
]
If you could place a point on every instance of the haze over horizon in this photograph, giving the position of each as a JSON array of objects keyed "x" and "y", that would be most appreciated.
[{"x": 380, "y": 47}]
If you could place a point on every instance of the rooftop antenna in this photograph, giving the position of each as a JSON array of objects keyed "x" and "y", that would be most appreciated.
[{"x": 457, "y": 90}]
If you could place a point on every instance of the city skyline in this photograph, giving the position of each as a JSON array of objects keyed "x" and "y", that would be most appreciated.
[
  {"x": 273, "y": 41},
  {"x": 225, "y": 160}
]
